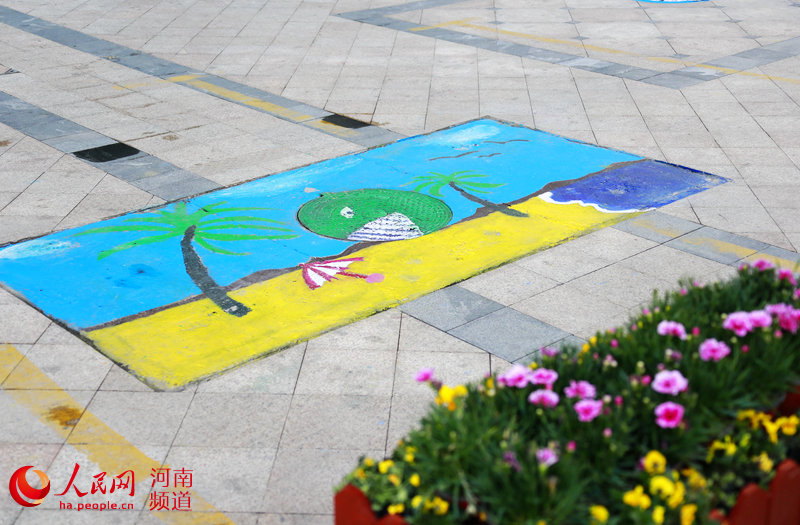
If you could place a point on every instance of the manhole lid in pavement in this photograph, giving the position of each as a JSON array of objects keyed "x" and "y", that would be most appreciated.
[{"x": 183, "y": 291}]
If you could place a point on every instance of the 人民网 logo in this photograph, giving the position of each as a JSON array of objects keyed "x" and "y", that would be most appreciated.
[{"x": 21, "y": 490}]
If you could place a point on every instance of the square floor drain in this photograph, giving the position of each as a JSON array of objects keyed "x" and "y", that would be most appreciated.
[
  {"x": 183, "y": 291},
  {"x": 107, "y": 153}
]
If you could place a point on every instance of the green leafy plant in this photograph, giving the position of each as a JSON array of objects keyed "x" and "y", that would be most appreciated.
[
  {"x": 202, "y": 227},
  {"x": 461, "y": 181},
  {"x": 660, "y": 421}
]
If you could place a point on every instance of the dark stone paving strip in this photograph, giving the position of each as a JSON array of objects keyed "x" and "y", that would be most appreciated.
[
  {"x": 140, "y": 169},
  {"x": 678, "y": 79},
  {"x": 275, "y": 105}
]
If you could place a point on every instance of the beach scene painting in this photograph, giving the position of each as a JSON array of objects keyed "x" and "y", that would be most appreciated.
[{"x": 186, "y": 290}]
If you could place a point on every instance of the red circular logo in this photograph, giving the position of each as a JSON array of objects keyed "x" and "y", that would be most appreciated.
[{"x": 21, "y": 490}]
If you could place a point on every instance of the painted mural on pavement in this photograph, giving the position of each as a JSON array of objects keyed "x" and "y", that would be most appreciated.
[{"x": 182, "y": 291}]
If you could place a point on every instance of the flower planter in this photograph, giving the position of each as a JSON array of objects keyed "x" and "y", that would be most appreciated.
[{"x": 754, "y": 506}]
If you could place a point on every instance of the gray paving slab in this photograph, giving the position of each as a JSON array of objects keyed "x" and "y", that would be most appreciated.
[
  {"x": 791, "y": 46},
  {"x": 186, "y": 188},
  {"x": 657, "y": 226},
  {"x": 717, "y": 245},
  {"x": 508, "y": 334},
  {"x": 571, "y": 344},
  {"x": 450, "y": 307},
  {"x": 672, "y": 80},
  {"x": 79, "y": 141}
]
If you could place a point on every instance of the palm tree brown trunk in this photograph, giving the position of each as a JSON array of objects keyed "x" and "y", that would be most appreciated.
[
  {"x": 502, "y": 208},
  {"x": 203, "y": 280}
]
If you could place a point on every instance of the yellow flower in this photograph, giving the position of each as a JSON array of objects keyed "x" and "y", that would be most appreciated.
[
  {"x": 482, "y": 516},
  {"x": 728, "y": 446},
  {"x": 772, "y": 428},
  {"x": 383, "y": 466},
  {"x": 360, "y": 474},
  {"x": 687, "y": 514},
  {"x": 397, "y": 508},
  {"x": 534, "y": 365},
  {"x": 658, "y": 514},
  {"x": 490, "y": 383},
  {"x": 369, "y": 462},
  {"x": 448, "y": 395},
  {"x": 789, "y": 424},
  {"x": 636, "y": 498},
  {"x": 585, "y": 348},
  {"x": 662, "y": 486},
  {"x": 764, "y": 462},
  {"x": 414, "y": 480},
  {"x": 416, "y": 501},
  {"x": 440, "y": 506},
  {"x": 599, "y": 513},
  {"x": 409, "y": 457},
  {"x": 695, "y": 479},
  {"x": 655, "y": 462},
  {"x": 677, "y": 496},
  {"x": 593, "y": 340},
  {"x": 394, "y": 479}
]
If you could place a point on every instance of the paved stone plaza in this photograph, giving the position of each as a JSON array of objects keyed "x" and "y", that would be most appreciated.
[{"x": 213, "y": 93}]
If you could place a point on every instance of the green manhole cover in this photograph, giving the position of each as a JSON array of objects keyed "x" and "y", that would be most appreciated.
[{"x": 374, "y": 215}]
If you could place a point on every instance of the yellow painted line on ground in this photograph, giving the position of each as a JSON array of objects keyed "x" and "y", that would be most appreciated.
[
  {"x": 460, "y": 22},
  {"x": 780, "y": 262},
  {"x": 720, "y": 246},
  {"x": 110, "y": 451},
  {"x": 333, "y": 129},
  {"x": 653, "y": 227},
  {"x": 235, "y": 96},
  {"x": 550, "y": 40}
]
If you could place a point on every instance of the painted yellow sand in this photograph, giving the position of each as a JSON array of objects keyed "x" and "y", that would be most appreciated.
[{"x": 188, "y": 342}]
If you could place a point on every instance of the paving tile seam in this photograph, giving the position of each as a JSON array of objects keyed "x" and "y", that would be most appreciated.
[
  {"x": 142, "y": 170},
  {"x": 280, "y": 107},
  {"x": 684, "y": 77}
]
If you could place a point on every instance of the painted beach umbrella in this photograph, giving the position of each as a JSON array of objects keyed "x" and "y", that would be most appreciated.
[
  {"x": 315, "y": 274},
  {"x": 374, "y": 215}
]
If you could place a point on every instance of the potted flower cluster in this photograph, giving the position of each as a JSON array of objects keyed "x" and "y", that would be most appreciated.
[{"x": 662, "y": 421}]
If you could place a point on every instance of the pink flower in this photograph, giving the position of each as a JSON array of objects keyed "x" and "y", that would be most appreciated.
[
  {"x": 549, "y": 352},
  {"x": 787, "y": 275},
  {"x": 546, "y": 457},
  {"x": 760, "y": 319},
  {"x": 618, "y": 400},
  {"x": 614, "y": 343},
  {"x": 713, "y": 349},
  {"x": 763, "y": 264},
  {"x": 607, "y": 432},
  {"x": 739, "y": 322},
  {"x": 696, "y": 330},
  {"x": 545, "y": 398},
  {"x": 797, "y": 293},
  {"x": 544, "y": 376},
  {"x": 518, "y": 376},
  {"x": 684, "y": 291},
  {"x": 669, "y": 414},
  {"x": 646, "y": 380},
  {"x": 581, "y": 390},
  {"x": 671, "y": 328},
  {"x": 745, "y": 349},
  {"x": 670, "y": 382},
  {"x": 571, "y": 446},
  {"x": 424, "y": 375},
  {"x": 588, "y": 409}
]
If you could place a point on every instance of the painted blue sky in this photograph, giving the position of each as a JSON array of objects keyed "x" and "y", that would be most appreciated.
[{"x": 61, "y": 273}]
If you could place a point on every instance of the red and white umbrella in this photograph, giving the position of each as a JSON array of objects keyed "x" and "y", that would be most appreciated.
[{"x": 315, "y": 274}]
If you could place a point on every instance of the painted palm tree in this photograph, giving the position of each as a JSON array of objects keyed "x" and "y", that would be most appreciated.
[
  {"x": 201, "y": 227},
  {"x": 461, "y": 181}
]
